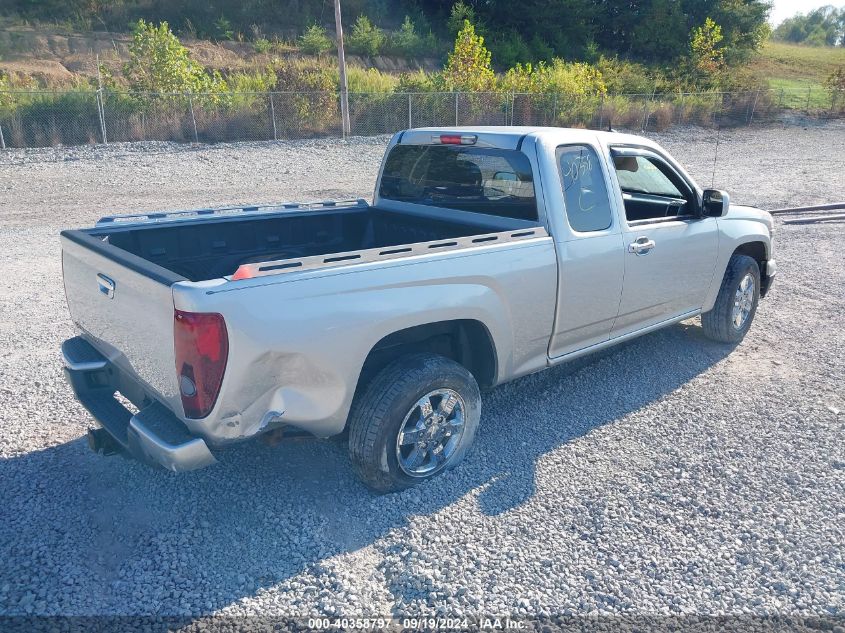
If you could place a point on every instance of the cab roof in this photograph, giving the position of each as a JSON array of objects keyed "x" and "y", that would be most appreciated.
[{"x": 510, "y": 137}]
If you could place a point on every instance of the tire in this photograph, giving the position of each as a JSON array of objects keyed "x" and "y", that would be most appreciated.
[
  {"x": 723, "y": 323},
  {"x": 391, "y": 403}
]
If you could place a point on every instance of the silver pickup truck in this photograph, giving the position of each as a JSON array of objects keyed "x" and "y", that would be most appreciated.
[{"x": 487, "y": 254}]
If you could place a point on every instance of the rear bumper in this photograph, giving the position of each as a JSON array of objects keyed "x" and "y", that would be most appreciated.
[
  {"x": 153, "y": 435},
  {"x": 769, "y": 272}
]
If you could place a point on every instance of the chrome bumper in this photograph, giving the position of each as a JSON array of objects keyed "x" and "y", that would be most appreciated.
[{"x": 153, "y": 435}]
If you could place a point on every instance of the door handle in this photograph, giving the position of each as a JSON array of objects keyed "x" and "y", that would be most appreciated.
[{"x": 641, "y": 246}]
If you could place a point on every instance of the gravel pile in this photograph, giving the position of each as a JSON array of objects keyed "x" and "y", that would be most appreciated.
[{"x": 672, "y": 476}]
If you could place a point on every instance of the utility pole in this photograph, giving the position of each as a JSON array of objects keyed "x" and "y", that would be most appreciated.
[{"x": 341, "y": 58}]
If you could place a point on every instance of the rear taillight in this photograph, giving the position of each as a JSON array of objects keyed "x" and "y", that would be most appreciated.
[{"x": 201, "y": 345}]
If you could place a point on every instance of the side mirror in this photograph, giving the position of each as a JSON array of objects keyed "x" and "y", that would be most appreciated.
[{"x": 715, "y": 203}]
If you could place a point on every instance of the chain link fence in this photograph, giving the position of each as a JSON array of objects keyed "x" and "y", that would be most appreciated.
[{"x": 39, "y": 119}]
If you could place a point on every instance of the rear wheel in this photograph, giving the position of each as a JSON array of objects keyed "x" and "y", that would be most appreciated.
[
  {"x": 736, "y": 303},
  {"x": 416, "y": 419}
]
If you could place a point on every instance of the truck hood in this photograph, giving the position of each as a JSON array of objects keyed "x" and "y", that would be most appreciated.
[{"x": 740, "y": 212}]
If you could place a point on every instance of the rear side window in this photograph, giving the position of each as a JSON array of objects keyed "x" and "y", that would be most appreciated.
[
  {"x": 584, "y": 188},
  {"x": 485, "y": 180}
]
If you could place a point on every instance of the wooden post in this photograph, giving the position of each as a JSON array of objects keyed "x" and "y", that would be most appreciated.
[{"x": 341, "y": 60}]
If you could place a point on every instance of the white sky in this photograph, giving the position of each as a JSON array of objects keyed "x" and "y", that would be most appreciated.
[{"x": 783, "y": 9}]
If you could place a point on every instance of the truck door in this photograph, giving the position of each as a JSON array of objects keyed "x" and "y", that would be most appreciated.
[
  {"x": 588, "y": 244},
  {"x": 669, "y": 251}
]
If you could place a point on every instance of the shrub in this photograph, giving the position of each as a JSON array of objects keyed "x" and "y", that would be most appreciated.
[
  {"x": 159, "y": 63},
  {"x": 257, "y": 81},
  {"x": 559, "y": 77},
  {"x": 624, "y": 77},
  {"x": 365, "y": 38},
  {"x": 418, "y": 81},
  {"x": 370, "y": 80},
  {"x": 5, "y": 97},
  {"x": 313, "y": 87},
  {"x": 836, "y": 81},
  {"x": 262, "y": 45},
  {"x": 315, "y": 41}
]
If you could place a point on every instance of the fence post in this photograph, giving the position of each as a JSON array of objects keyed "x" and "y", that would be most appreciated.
[
  {"x": 2, "y": 140},
  {"x": 101, "y": 113},
  {"x": 513, "y": 107},
  {"x": 273, "y": 117},
  {"x": 681, "y": 113},
  {"x": 645, "y": 110},
  {"x": 193, "y": 118},
  {"x": 753, "y": 107},
  {"x": 601, "y": 112}
]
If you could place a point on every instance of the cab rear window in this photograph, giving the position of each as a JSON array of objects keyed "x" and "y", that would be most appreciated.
[{"x": 480, "y": 179}]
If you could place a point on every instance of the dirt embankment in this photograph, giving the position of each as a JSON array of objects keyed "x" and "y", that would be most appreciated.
[{"x": 58, "y": 59}]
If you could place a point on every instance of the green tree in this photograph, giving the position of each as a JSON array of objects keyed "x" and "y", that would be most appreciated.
[
  {"x": 406, "y": 41},
  {"x": 660, "y": 31},
  {"x": 461, "y": 12},
  {"x": 223, "y": 29},
  {"x": 706, "y": 58},
  {"x": 365, "y": 38},
  {"x": 315, "y": 41},
  {"x": 159, "y": 63},
  {"x": 822, "y": 27},
  {"x": 468, "y": 67},
  {"x": 743, "y": 24}
]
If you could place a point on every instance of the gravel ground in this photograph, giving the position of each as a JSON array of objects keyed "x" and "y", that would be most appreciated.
[{"x": 710, "y": 480}]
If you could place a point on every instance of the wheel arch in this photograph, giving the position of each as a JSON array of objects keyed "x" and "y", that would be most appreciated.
[
  {"x": 466, "y": 341},
  {"x": 755, "y": 246},
  {"x": 755, "y": 249}
]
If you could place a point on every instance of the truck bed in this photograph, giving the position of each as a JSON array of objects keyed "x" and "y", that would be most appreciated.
[{"x": 204, "y": 248}]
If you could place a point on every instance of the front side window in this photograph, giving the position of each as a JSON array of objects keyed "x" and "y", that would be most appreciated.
[
  {"x": 584, "y": 188},
  {"x": 485, "y": 180},
  {"x": 639, "y": 174},
  {"x": 651, "y": 189}
]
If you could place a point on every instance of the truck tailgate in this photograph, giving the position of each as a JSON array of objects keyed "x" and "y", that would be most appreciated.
[{"x": 123, "y": 310}]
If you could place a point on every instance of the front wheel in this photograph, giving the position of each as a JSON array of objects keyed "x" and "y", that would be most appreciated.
[
  {"x": 736, "y": 303},
  {"x": 416, "y": 419}
]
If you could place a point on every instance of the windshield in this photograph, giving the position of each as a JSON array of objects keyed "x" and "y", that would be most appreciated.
[{"x": 485, "y": 180}]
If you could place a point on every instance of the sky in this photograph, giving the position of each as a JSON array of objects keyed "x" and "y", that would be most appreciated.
[{"x": 783, "y": 9}]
